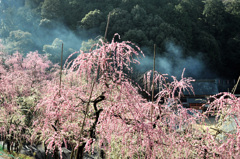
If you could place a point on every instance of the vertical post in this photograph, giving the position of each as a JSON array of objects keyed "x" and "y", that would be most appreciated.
[
  {"x": 105, "y": 36},
  {"x": 235, "y": 86},
  {"x": 153, "y": 72},
  {"x": 61, "y": 69},
  {"x": 153, "y": 79}
]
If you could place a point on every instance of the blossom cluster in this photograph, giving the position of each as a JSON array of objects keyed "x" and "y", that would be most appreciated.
[{"x": 98, "y": 104}]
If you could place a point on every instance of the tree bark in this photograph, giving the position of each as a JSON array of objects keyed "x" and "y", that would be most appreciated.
[{"x": 80, "y": 150}]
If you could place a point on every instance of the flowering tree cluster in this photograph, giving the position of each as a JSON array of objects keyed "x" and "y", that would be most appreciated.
[
  {"x": 21, "y": 81},
  {"x": 226, "y": 107},
  {"x": 96, "y": 104}
]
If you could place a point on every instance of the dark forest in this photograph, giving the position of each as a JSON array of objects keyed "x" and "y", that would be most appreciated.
[{"x": 202, "y": 34}]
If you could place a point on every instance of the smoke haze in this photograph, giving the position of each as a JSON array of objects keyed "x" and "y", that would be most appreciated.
[
  {"x": 25, "y": 31},
  {"x": 172, "y": 62}
]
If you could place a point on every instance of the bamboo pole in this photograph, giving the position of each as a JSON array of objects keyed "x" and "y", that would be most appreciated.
[
  {"x": 154, "y": 56},
  {"x": 60, "y": 84},
  {"x": 235, "y": 86},
  {"x": 153, "y": 72},
  {"x": 105, "y": 36}
]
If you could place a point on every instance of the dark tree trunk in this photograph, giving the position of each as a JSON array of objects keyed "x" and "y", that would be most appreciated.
[
  {"x": 8, "y": 146},
  {"x": 56, "y": 155},
  {"x": 80, "y": 150}
]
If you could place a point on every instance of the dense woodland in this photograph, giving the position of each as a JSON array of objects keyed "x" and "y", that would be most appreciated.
[{"x": 210, "y": 27}]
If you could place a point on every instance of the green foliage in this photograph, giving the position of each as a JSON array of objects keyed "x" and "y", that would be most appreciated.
[
  {"x": 52, "y": 9},
  {"x": 87, "y": 45},
  {"x": 4, "y": 30},
  {"x": 169, "y": 33},
  {"x": 33, "y": 3},
  {"x": 19, "y": 40},
  {"x": 187, "y": 17},
  {"x": 54, "y": 51},
  {"x": 210, "y": 48},
  {"x": 214, "y": 14},
  {"x": 139, "y": 15},
  {"x": 120, "y": 21},
  {"x": 92, "y": 19},
  {"x": 27, "y": 105},
  {"x": 138, "y": 36},
  {"x": 188, "y": 23},
  {"x": 232, "y": 7},
  {"x": 46, "y": 23},
  {"x": 8, "y": 22}
]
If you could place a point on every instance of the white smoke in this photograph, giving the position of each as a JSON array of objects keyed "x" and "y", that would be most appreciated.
[{"x": 173, "y": 61}]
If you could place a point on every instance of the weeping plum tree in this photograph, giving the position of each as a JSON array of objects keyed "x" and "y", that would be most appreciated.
[
  {"x": 133, "y": 127},
  {"x": 96, "y": 103},
  {"x": 226, "y": 107},
  {"x": 140, "y": 132},
  {"x": 21, "y": 80},
  {"x": 71, "y": 113}
]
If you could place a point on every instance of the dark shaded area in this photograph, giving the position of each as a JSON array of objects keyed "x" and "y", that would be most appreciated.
[{"x": 203, "y": 87}]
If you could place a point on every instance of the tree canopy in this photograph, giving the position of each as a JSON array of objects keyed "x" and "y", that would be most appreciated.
[{"x": 210, "y": 27}]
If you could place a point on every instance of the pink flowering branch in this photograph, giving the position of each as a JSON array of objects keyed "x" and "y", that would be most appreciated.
[{"x": 99, "y": 104}]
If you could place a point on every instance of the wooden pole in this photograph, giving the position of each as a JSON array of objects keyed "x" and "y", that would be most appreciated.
[
  {"x": 61, "y": 69},
  {"x": 154, "y": 56},
  {"x": 153, "y": 72},
  {"x": 235, "y": 86},
  {"x": 105, "y": 36}
]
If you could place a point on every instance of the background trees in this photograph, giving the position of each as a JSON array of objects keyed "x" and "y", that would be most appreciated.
[
  {"x": 210, "y": 27},
  {"x": 233, "y": 7},
  {"x": 92, "y": 19},
  {"x": 52, "y": 10},
  {"x": 20, "y": 41}
]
